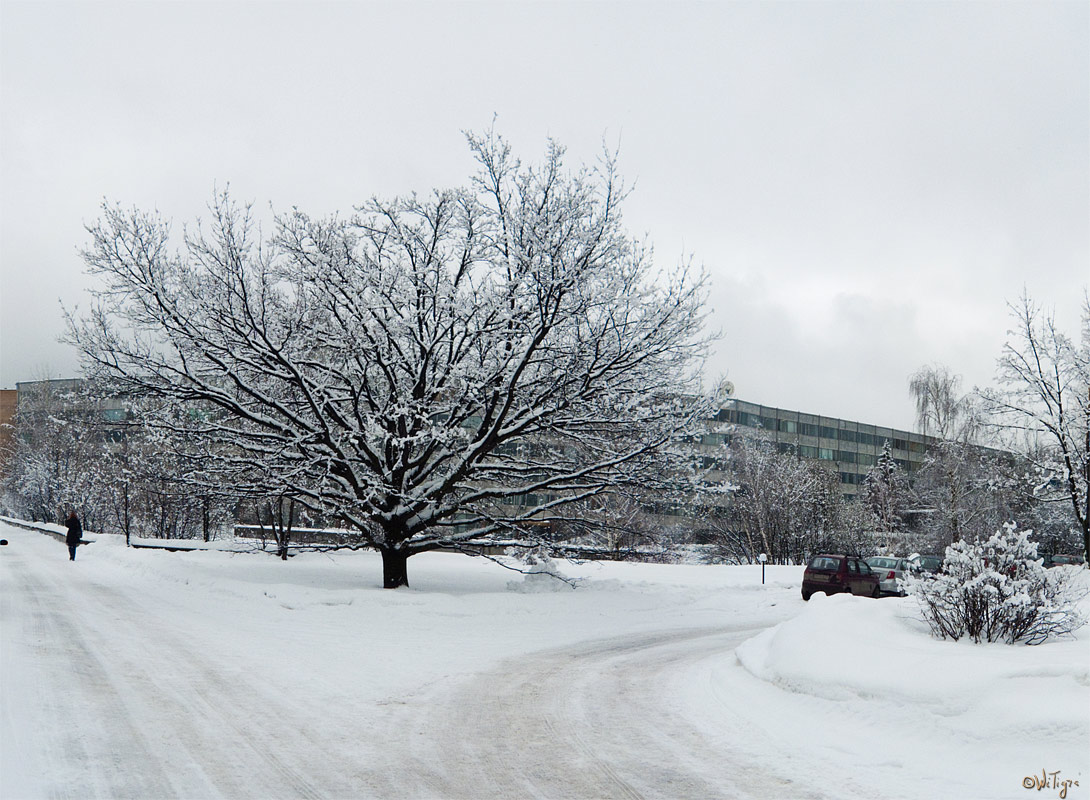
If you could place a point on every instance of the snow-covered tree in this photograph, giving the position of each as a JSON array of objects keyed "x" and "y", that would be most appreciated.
[
  {"x": 942, "y": 411},
  {"x": 950, "y": 481},
  {"x": 887, "y": 493},
  {"x": 781, "y": 505},
  {"x": 618, "y": 523},
  {"x": 430, "y": 371},
  {"x": 56, "y": 463},
  {"x": 1042, "y": 406},
  {"x": 998, "y": 590}
]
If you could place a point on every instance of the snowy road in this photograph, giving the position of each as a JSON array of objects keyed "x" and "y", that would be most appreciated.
[
  {"x": 144, "y": 710},
  {"x": 592, "y": 721},
  {"x": 124, "y": 689}
]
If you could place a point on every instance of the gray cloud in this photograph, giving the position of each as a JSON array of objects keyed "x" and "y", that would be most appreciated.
[{"x": 867, "y": 184}]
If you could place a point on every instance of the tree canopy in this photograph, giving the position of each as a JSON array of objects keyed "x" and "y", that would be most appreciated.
[{"x": 430, "y": 371}]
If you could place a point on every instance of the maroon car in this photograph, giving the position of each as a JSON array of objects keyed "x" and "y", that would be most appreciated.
[{"x": 832, "y": 573}]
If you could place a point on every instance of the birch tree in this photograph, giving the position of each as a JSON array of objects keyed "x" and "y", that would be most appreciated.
[
  {"x": 430, "y": 371},
  {"x": 1042, "y": 405},
  {"x": 950, "y": 480}
]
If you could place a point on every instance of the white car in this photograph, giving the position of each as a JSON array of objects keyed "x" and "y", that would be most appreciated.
[{"x": 889, "y": 570}]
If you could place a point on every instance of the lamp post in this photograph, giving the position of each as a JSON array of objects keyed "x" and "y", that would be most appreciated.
[{"x": 763, "y": 559}]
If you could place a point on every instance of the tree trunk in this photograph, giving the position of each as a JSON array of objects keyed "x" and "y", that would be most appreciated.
[
  {"x": 285, "y": 532},
  {"x": 1086, "y": 486},
  {"x": 128, "y": 524},
  {"x": 394, "y": 564}
]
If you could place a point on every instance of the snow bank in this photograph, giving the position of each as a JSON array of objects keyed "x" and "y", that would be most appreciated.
[
  {"x": 843, "y": 648},
  {"x": 856, "y": 679}
]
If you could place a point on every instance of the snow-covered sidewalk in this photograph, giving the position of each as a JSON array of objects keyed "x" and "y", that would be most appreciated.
[{"x": 209, "y": 674}]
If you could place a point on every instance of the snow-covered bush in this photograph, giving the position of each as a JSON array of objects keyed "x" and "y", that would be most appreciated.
[
  {"x": 542, "y": 575},
  {"x": 998, "y": 591}
]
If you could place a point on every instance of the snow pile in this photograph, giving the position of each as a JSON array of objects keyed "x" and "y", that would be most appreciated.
[
  {"x": 854, "y": 676},
  {"x": 542, "y": 574},
  {"x": 843, "y": 647}
]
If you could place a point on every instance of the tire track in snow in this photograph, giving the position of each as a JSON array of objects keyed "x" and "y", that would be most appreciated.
[
  {"x": 589, "y": 721},
  {"x": 72, "y": 692},
  {"x": 145, "y": 713},
  {"x": 269, "y": 748}
]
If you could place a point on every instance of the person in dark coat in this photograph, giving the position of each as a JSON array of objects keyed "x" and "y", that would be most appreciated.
[{"x": 75, "y": 533}]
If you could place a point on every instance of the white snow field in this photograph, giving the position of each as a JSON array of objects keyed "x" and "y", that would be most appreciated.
[{"x": 142, "y": 674}]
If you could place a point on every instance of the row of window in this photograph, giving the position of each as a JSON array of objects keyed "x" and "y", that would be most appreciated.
[
  {"x": 804, "y": 450},
  {"x": 751, "y": 420}
]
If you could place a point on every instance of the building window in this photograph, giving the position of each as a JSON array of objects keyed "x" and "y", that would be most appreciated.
[
  {"x": 809, "y": 429},
  {"x": 825, "y": 453},
  {"x": 788, "y": 426},
  {"x": 827, "y": 432}
]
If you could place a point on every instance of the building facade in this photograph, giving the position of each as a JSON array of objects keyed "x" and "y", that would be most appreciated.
[
  {"x": 850, "y": 448},
  {"x": 9, "y": 399},
  {"x": 847, "y": 447}
]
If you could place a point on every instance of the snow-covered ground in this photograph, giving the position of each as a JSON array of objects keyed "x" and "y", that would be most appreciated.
[{"x": 135, "y": 673}]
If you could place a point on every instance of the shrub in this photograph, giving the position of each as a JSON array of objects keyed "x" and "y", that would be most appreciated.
[{"x": 998, "y": 591}]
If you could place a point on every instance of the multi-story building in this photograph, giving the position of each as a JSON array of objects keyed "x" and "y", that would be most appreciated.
[
  {"x": 850, "y": 448},
  {"x": 9, "y": 398}
]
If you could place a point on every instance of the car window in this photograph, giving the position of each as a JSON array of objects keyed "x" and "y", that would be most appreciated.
[
  {"x": 882, "y": 563},
  {"x": 853, "y": 565},
  {"x": 824, "y": 563},
  {"x": 864, "y": 568}
]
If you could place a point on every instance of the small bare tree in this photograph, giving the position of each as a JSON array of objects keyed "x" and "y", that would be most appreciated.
[
  {"x": 1042, "y": 405},
  {"x": 949, "y": 480},
  {"x": 942, "y": 410},
  {"x": 781, "y": 505}
]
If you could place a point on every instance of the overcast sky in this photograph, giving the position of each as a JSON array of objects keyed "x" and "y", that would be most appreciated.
[{"x": 868, "y": 184}]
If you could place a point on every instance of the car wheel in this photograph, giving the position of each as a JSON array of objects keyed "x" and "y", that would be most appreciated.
[{"x": 806, "y": 595}]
